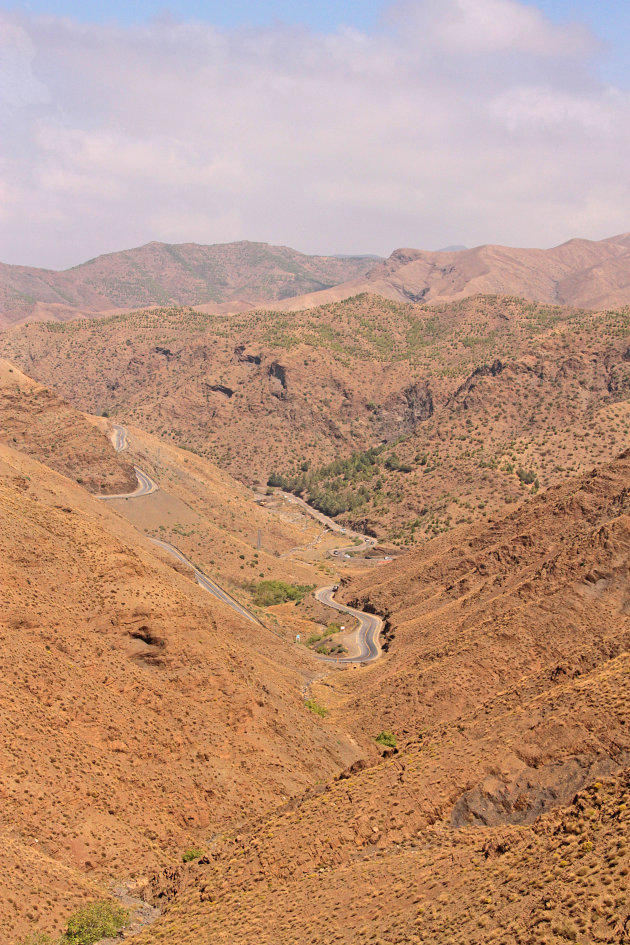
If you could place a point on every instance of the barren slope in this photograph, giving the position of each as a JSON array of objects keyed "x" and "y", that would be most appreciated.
[
  {"x": 36, "y": 421},
  {"x": 580, "y": 273},
  {"x": 492, "y": 396},
  {"x": 136, "y": 711},
  {"x": 238, "y": 275},
  {"x": 503, "y": 815},
  {"x": 216, "y": 522}
]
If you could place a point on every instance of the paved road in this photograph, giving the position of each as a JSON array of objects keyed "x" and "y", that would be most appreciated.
[
  {"x": 206, "y": 583},
  {"x": 368, "y": 633},
  {"x": 119, "y": 438},
  {"x": 146, "y": 486},
  {"x": 369, "y": 626}
]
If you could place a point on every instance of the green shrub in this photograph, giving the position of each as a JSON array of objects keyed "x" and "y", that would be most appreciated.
[
  {"x": 193, "y": 853},
  {"x": 268, "y": 593},
  {"x": 94, "y": 922},
  {"x": 316, "y": 708},
  {"x": 386, "y": 738},
  {"x": 526, "y": 475}
]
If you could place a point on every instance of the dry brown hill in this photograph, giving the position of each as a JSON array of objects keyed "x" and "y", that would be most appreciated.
[
  {"x": 136, "y": 710},
  {"x": 579, "y": 273},
  {"x": 238, "y": 275},
  {"x": 38, "y": 422},
  {"x": 216, "y": 522},
  {"x": 494, "y": 397},
  {"x": 503, "y": 815}
]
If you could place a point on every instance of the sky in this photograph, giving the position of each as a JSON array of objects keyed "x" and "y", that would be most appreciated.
[{"x": 333, "y": 128}]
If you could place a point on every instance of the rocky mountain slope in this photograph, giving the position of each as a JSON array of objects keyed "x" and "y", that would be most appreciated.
[
  {"x": 136, "y": 710},
  {"x": 455, "y": 410},
  {"x": 503, "y": 814},
  {"x": 237, "y": 274},
  {"x": 581, "y": 273},
  {"x": 141, "y": 718},
  {"x": 36, "y": 421}
]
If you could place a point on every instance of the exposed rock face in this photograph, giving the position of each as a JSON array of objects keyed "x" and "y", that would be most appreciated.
[
  {"x": 523, "y": 796},
  {"x": 278, "y": 380},
  {"x": 402, "y": 412},
  {"x": 221, "y": 389},
  {"x": 166, "y": 352},
  {"x": 245, "y": 356}
]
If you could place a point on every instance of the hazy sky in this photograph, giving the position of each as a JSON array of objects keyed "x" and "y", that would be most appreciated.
[{"x": 359, "y": 127}]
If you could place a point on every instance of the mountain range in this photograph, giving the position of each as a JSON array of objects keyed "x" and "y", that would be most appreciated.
[
  {"x": 232, "y": 277},
  {"x": 580, "y": 273},
  {"x": 227, "y": 275},
  {"x": 188, "y": 729}
]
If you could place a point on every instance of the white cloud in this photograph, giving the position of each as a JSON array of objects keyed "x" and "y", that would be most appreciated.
[
  {"x": 461, "y": 121},
  {"x": 473, "y": 27}
]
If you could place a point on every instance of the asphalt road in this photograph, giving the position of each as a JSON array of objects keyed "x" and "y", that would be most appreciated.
[
  {"x": 146, "y": 486},
  {"x": 367, "y": 541},
  {"x": 206, "y": 583},
  {"x": 369, "y": 626},
  {"x": 368, "y": 633},
  {"x": 119, "y": 438}
]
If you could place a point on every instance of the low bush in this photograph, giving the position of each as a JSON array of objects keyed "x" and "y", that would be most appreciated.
[
  {"x": 192, "y": 854},
  {"x": 526, "y": 476},
  {"x": 268, "y": 593},
  {"x": 94, "y": 922},
  {"x": 36, "y": 938},
  {"x": 316, "y": 708},
  {"x": 386, "y": 738}
]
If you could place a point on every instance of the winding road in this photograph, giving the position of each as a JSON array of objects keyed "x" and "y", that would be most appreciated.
[
  {"x": 119, "y": 438},
  {"x": 370, "y": 626},
  {"x": 146, "y": 486}
]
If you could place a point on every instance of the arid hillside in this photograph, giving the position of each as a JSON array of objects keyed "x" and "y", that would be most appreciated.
[
  {"x": 36, "y": 421},
  {"x": 581, "y": 273},
  {"x": 136, "y": 710},
  {"x": 217, "y": 523},
  {"x": 455, "y": 411},
  {"x": 238, "y": 275},
  {"x": 502, "y": 815}
]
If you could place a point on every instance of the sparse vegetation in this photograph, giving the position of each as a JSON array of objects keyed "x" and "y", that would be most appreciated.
[
  {"x": 386, "y": 738},
  {"x": 268, "y": 593},
  {"x": 317, "y": 709},
  {"x": 193, "y": 853},
  {"x": 94, "y": 922}
]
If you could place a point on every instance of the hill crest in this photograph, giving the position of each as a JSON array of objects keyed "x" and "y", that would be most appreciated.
[
  {"x": 224, "y": 276},
  {"x": 580, "y": 273}
]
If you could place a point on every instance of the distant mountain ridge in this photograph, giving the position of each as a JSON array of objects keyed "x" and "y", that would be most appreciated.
[
  {"x": 225, "y": 275},
  {"x": 580, "y": 273},
  {"x": 230, "y": 277}
]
